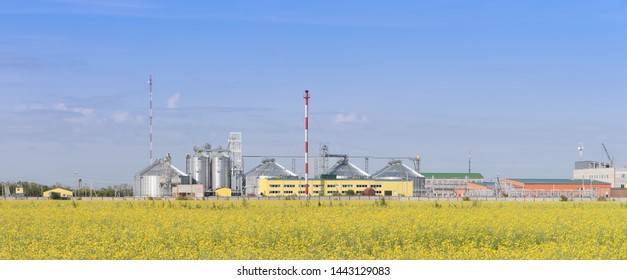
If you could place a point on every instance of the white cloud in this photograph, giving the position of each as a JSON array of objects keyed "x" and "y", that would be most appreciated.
[
  {"x": 30, "y": 107},
  {"x": 59, "y": 107},
  {"x": 120, "y": 117},
  {"x": 174, "y": 100},
  {"x": 350, "y": 118},
  {"x": 83, "y": 111}
]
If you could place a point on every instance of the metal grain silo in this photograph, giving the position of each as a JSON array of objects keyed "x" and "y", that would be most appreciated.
[
  {"x": 267, "y": 169},
  {"x": 146, "y": 185},
  {"x": 346, "y": 170},
  {"x": 200, "y": 169},
  {"x": 157, "y": 179},
  {"x": 220, "y": 170},
  {"x": 396, "y": 170}
]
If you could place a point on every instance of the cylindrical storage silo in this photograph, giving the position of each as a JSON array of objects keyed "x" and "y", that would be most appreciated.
[
  {"x": 194, "y": 169},
  {"x": 200, "y": 169},
  {"x": 147, "y": 186},
  {"x": 157, "y": 180},
  {"x": 220, "y": 171}
]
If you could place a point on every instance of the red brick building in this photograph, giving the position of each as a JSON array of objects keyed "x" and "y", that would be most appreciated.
[{"x": 599, "y": 188}]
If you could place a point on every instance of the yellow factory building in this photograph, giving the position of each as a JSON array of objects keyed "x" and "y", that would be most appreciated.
[
  {"x": 62, "y": 193},
  {"x": 328, "y": 187}
]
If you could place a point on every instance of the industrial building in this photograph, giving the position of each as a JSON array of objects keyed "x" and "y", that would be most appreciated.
[
  {"x": 218, "y": 168},
  {"x": 606, "y": 172},
  {"x": 220, "y": 172},
  {"x": 334, "y": 186},
  {"x": 188, "y": 191},
  {"x": 479, "y": 189},
  {"x": 207, "y": 171},
  {"x": 343, "y": 178},
  {"x": 449, "y": 184},
  {"x": 556, "y": 188},
  {"x": 396, "y": 170},
  {"x": 213, "y": 172},
  {"x": 601, "y": 171},
  {"x": 267, "y": 169},
  {"x": 158, "y": 179},
  {"x": 63, "y": 193}
]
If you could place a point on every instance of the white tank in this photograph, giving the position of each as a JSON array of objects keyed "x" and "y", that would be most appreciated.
[
  {"x": 220, "y": 171},
  {"x": 147, "y": 186},
  {"x": 200, "y": 169}
]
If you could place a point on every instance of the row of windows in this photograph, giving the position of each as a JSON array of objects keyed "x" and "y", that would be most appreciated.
[
  {"x": 336, "y": 192},
  {"x": 601, "y": 176},
  {"x": 328, "y": 192},
  {"x": 328, "y": 186},
  {"x": 343, "y": 186},
  {"x": 344, "y": 192},
  {"x": 286, "y": 192}
]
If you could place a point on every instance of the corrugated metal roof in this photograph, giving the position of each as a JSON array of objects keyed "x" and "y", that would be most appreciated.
[
  {"x": 396, "y": 169},
  {"x": 269, "y": 168},
  {"x": 160, "y": 167},
  {"x": 345, "y": 169},
  {"x": 481, "y": 186},
  {"x": 453, "y": 175}
]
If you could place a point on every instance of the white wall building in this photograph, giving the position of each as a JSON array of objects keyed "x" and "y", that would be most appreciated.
[{"x": 601, "y": 171}]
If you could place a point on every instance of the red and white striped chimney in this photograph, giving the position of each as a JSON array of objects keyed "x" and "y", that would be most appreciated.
[{"x": 306, "y": 142}]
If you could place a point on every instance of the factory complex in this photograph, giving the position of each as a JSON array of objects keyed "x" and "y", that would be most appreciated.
[{"x": 220, "y": 171}]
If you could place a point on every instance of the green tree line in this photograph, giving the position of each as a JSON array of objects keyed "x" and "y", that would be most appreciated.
[{"x": 32, "y": 189}]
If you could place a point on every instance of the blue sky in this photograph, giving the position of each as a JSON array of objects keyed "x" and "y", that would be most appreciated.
[{"x": 518, "y": 83}]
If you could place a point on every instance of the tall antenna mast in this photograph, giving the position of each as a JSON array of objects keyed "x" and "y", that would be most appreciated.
[
  {"x": 306, "y": 142},
  {"x": 150, "y": 89},
  {"x": 469, "y": 162}
]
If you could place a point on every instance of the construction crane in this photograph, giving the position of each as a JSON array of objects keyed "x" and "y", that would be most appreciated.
[{"x": 609, "y": 156}]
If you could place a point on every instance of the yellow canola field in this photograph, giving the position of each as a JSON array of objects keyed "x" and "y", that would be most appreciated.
[{"x": 303, "y": 230}]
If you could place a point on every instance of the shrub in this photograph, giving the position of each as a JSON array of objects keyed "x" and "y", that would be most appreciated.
[
  {"x": 563, "y": 198},
  {"x": 380, "y": 202}
]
